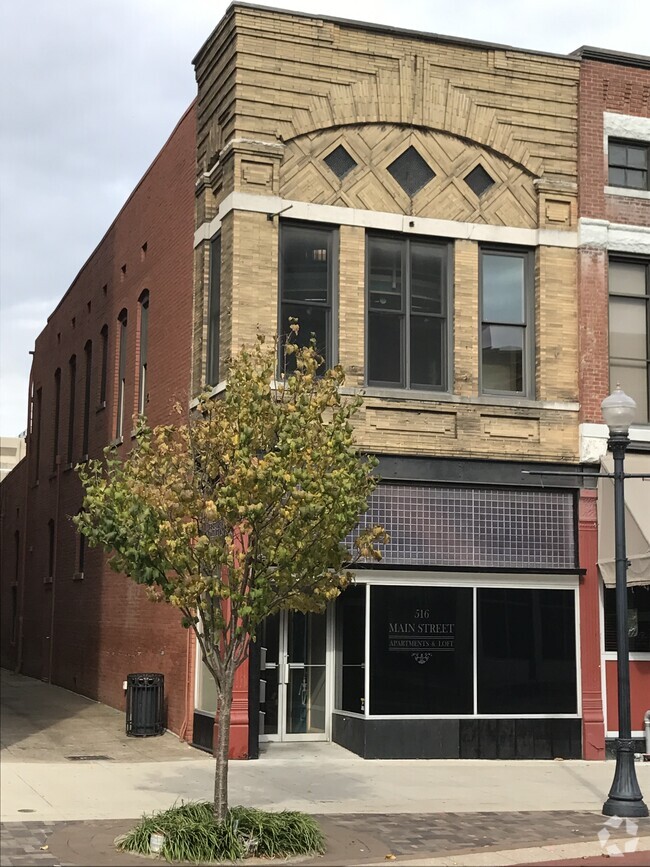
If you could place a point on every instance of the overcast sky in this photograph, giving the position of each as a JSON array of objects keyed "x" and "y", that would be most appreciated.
[{"x": 92, "y": 88}]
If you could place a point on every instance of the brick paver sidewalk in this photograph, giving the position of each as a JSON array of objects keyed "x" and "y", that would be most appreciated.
[{"x": 352, "y": 839}]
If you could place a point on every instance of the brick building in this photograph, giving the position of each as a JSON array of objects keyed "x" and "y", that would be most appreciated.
[
  {"x": 119, "y": 342},
  {"x": 413, "y": 200},
  {"x": 614, "y": 291}
]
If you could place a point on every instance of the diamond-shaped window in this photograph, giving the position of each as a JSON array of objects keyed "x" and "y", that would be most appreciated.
[
  {"x": 479, "y": 181},
  {"x": 411, "y": 172},
  {"x": 340, "y": 162}
]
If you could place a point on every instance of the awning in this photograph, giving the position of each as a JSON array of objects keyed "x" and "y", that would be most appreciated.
[{"x": 637, "y": 521}]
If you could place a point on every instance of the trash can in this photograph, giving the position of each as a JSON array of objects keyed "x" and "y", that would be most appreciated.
[{"x": 145, "y": 705}]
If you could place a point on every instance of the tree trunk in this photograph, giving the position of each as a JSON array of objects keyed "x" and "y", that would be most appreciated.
[{"x": 224, "y": 706}]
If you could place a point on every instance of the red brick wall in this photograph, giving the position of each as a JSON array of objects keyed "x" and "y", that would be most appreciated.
[
  {"x": 623, "y": 90},
  {"x": 12, "y": 534},
  {"x": 99, "y": 629}
]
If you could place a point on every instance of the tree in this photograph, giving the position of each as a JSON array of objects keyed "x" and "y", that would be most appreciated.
[{"x": 240, "y": 510}]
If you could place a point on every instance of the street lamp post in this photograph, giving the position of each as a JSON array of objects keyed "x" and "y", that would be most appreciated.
[{"x": 625, "y": 798}]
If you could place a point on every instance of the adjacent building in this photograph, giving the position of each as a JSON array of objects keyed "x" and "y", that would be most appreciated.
[{"x": 417, "y": 202}]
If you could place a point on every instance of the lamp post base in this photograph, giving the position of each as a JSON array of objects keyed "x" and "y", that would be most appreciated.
[{"x": 625, "y": 798}]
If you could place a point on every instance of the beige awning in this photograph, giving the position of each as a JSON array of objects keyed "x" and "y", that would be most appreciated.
[{"x": 637, "y": 521}]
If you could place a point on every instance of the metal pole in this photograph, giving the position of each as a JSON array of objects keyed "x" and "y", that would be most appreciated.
[{"x": 625, "y": 798}]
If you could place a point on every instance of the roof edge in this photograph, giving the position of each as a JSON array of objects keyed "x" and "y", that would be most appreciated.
[{"x": 607, "y": 55}]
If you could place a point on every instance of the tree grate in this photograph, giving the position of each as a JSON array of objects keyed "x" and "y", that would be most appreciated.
[
  {"x": 411, "y": 171},
  {"x": 478, "y": 180},
  {"x": 340, "y": 162}
]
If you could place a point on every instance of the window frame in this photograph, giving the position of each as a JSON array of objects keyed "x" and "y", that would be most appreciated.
[
  {"x": 57, "y": 417},
  {"x": 72, "y": 398},
  {"x": 213, "y": 337},
  {"x": 88, "y": 362},
  {"x": 103, "y": 381},
  {"x": 631, "y": 260},
  {"x": 406, "y": 313},
  {"x": 143, "y": 340},
  {"x": 627, "y": 143},
  {"x": 123, "y": 320},
  {"x": 331, "y": 321},
  {"x": 528, "y": 256}
]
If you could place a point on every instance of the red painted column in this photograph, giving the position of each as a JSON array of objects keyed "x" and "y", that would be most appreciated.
[
  {"x": 593, "y": 727},
  {"x": 238, "y": 717}
]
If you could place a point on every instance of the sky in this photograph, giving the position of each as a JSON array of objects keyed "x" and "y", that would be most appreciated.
[{"x": 91, "y": 89}]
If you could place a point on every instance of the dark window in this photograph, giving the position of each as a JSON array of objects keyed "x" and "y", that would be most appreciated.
[
  {"x": 628, "y": 164},
  {"x": 340, "y": 162},
  {"x": 351, "y": 649},
  {"x": 306, "y": 283},
  {"x": 421, "y": 650},
  {"x": 526, "y": 661},
  {"x": 14, "y": 614},
  {"x": 407, "y": 312},
  {"x": 37, "y": 423},
  {"x": 81, "y": 553},
  {"x": 214, "y": 312},
  {"x": 88, "y": 361},
  {"x": 506, "y": 340},
  {"x": 50, "y": 556},
  {"x": 629, "y": 331},
  {"x": 411, "y": 171},
  {"x": 144, "y": 337},
  {"x": 638, "y": 619},
  {"x": 121, "y": 375},
  {"x": 72, "y": 370},
  {"x": 104, "y": 373},
  {"x": 57, "y": 413},
  {"x": 479, "y": 181}
]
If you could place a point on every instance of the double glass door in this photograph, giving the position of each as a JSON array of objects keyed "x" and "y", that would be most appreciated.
[{"x": 294, "y": 697}]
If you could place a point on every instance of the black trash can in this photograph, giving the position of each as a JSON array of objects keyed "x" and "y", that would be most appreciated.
[{"x": 145, "y": 705}]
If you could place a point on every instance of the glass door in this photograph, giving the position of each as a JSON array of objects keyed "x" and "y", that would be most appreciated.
[{"x": 296, "y": 691}]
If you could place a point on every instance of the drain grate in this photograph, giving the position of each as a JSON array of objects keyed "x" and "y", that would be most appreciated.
[{"x": 89, "y": 758}]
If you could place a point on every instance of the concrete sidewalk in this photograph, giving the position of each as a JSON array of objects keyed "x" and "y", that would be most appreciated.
[{"x": 424, "y": 812}]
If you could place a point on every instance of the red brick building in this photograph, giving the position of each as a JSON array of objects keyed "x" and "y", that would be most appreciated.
[
  {"x": 614, "y": 292},
  {"x": 119, "y": 342}
]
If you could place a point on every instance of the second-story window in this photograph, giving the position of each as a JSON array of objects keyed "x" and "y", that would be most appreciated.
[
  {"x": 38, "y": 416},
  {"x": 144, "y": 337},
  {"x": 72, "y": 370},
  {"x": 121, "y": 374},
  {"x": 57, "y": 413},
  {"x": 306, "y": 285},
  {"x": 628, "y": 164},
  {"x": 214, "y": 312},
  {"x": 506, "y": 322},
  {"x": 104, "y": 372},
  {"x": 88, "y": 361},
  {"x": 408, "y": 288},
  {"x": 629, "y": 330}
]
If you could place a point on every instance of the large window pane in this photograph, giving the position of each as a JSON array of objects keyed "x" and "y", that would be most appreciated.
[
  {"x": 638, "y": 619},
  {"x": 628, "y": 333},
  {"x": 503, "y": 358},
  {"x": 627, "y": 278},
  {"x": 385, "y": 348},
  {"x": 385, "y": 273},
  {"x": 526, "y": 651},
  {"x": 428, "y": 279},
  {"x": 350, "y": 649},
  {"x": 305, "y": 264},
  {"x": 313, "y": 321},
  {"x": 421, "y": 641},
  {"x": 633, "y": 379},
  {"x": 503, "y": 289},
  {"x": 427, "y": 352}
]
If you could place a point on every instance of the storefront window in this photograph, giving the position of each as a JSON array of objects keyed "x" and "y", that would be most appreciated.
[
  {"x": 421, "y": 650},
  {"x": 526, "y": 651},
  {"x": 350, "y": 649},
  {"x": 206, "y": 693},
  {"x": 638, "y": 619}
]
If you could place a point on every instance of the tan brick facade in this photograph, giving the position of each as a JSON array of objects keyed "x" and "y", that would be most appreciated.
[{"x": 278, "y": 92}]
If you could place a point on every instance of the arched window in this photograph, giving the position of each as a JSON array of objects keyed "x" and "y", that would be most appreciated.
[
  {"x": 72, "y": 375},
  {"x": 88, "y": 363},
  {"x": 121, "y": 374}
]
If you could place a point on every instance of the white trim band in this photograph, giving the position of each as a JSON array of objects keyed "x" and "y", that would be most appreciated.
[
  {"x": 614, "y": 236},
  {"x": 336, "y": 215},
  {"x": 593, "y": 440},
  {"x": 625, "y": 126}
]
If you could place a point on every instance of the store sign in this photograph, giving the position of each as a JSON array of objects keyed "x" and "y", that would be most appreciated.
[{"x": 420, "y": 636}]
